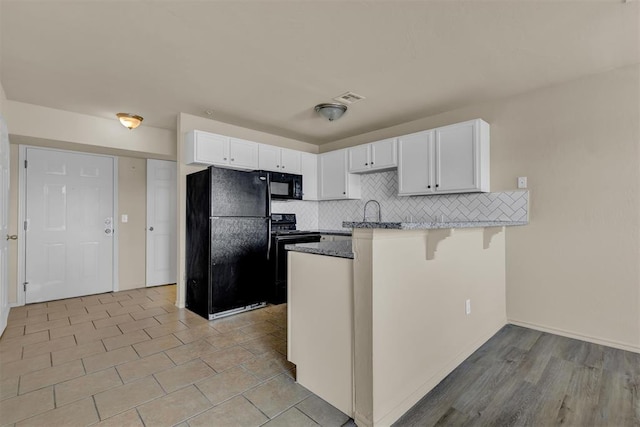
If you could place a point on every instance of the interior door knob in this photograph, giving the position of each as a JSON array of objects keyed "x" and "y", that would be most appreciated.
[{"x": 150, "y": 228}]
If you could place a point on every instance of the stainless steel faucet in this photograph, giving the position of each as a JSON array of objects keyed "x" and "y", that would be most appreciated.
[{"x": 379, "y": 210}]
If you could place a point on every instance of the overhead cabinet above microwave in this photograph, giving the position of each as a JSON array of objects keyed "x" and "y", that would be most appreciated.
[
  {"x": 374, "y": 157},
  {"x": 206, "y": 148},
  {"x": 450, "y": 159},
  {"x": 279, "y": 159}
]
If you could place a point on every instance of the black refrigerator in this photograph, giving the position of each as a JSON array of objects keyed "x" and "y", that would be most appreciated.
[{"x": 227, "y": 241}]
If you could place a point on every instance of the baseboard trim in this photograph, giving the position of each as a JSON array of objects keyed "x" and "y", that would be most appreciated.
[{"x": 574, "y": 335}]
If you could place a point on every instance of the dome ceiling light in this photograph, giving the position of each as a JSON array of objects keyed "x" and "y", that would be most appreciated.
[
  {"x": 130, "y": 121},
  {"x": 331, "y": 111}
]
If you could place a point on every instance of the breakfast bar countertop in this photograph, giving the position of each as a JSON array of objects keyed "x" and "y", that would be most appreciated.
[{"x": 430, "y": 225}]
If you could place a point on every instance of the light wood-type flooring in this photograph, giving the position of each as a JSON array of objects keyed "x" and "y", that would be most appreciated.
[{"x": 522, "y": 377}]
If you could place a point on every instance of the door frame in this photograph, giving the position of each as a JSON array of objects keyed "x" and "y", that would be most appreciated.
[{"x": 22, "y": 200}]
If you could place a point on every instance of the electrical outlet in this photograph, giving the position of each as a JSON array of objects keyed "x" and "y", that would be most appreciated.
[
  {"x": 125, "y": 218},
  {"x": 522, "y": 182},
  {"x": 467, "y": 306}
]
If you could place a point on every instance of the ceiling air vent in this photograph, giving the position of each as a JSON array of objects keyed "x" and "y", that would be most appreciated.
[{"x": 349, "y": 98}]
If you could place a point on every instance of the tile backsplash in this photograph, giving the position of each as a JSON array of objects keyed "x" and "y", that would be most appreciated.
[
  {"x": 383, "y": 187},
  {"x": 306, "y": 212}
]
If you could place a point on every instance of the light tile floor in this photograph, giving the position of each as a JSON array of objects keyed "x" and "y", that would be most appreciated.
[{"x": 132, "y": 358}]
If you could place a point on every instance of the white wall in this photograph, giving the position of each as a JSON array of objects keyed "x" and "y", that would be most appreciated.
[
  {"x": 575, "y": 268},
  {"x": 3, "y": 100},
  {"x": 132, "y": 235}
]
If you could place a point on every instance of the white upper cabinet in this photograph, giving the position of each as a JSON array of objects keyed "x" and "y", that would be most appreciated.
[
  {"x": 415, "y": 154},
  {"x": 206, "y": 148},
  {"x": 359, "y": 158},
  {"x": 373, "y": 157},
  {"x": 309, "y": 172},
  {"x": 335, "y": 182},
  {"x": 450, "y": 159},
  {"x": 290, "y": 161},
  {"x": 269, "y": 157},
  {"x": 279, "y": 159},
  {"x": 243, "y": 154}
]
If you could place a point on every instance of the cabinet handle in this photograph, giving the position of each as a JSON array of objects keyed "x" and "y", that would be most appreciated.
[
  {"x": 428, "y": 186},
  {"x": 371, "y": 163},
  {"x": 282, "y": 167},
  {"x": 232, "y": 159},
  {"x": 344, "y": 192},
  {"x": 366, "y": 164},
  {"x": 224, "y": 158},
  {"x": 437, "y": 185},
  {"x": 277, "y": 166}
]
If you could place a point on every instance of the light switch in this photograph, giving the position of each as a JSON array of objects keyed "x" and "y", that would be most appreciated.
[
  {"x": 522, "y": 182},
  {"x": 125, "y": 218}
]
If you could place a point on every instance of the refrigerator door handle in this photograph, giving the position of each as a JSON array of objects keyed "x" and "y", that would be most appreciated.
[
  {"x": 269, "y": 200},
  {"x": 269, "y": 240},
  {"x": 269, "y": 215}
]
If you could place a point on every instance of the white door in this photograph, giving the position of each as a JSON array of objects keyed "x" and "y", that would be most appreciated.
[
  {"x": 4, "y": 224},
  {"x": 69, "y": 213},
  {"x": 161, "y": 222}
]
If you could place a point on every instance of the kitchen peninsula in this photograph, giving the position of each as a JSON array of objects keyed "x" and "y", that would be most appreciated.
[{"x": 373, "y": 328}]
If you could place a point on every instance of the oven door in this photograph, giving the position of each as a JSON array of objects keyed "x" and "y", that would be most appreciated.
[
  {"x": 285, "y": 186},
  {"x": 279, "y": 294}
]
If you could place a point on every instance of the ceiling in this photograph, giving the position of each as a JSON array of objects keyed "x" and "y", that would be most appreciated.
[{"x": 265, "y": 64}]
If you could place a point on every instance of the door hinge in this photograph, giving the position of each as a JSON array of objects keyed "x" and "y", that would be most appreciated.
[
  {"x": 24, "y": 286},
  {"x": 25, "y": 225},
  {"x": 25, "y": 164}
]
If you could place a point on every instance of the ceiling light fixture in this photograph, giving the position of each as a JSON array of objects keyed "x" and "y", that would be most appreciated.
[
  {"x": 130, "y": 121},
  {"x": 331, "y": 111}
]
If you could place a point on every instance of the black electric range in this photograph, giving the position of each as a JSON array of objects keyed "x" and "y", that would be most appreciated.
[{"x": 284, "y": 232}]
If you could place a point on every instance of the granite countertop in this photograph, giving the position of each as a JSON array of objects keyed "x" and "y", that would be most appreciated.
[
  {"x": 339, "y": 249},
  {"x": 430, "y": 225},
  {"x": 336, "y": 232},
  {"x": 343, "y": 232}
]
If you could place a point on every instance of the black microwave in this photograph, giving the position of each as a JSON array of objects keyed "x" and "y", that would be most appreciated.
[{"x": 285, "y": 186}]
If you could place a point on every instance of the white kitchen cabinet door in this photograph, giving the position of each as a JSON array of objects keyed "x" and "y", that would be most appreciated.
[
  {"x": 279, "y": 159},
  {"x": 309, "y": 171},
  {"x": 206, "y": 148},
  {"x": 243, "y": 154},
  {"x": 333, "y": 171},
  {"x": 359, "y": 158},
  {"x": 384, "y": 154},
  {"x": 335, "y": 182},
  {"x": 373, "y": 157},
  {"x": 290, "y": 161},
  {"x": 269, "y": 157},
  {"x": 415, "y": 173},
  {"x": 462, "y": 157}
]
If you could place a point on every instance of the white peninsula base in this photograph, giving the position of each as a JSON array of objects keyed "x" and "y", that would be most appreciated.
[{"x": 403, "y": 305}]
